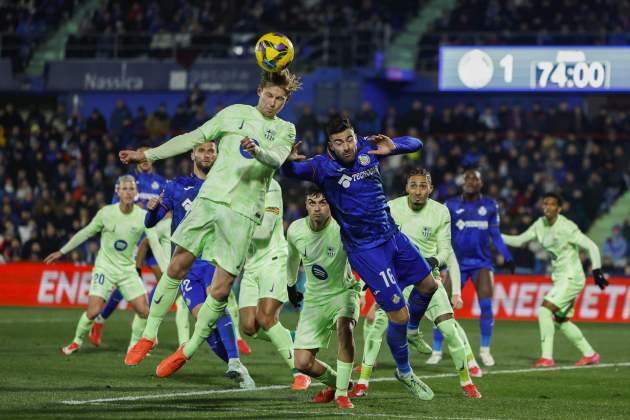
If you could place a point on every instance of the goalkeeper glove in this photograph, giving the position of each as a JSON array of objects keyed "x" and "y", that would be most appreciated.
[
  {"x": 295, "y": 296},
  {"x": 600, "y": 279}
]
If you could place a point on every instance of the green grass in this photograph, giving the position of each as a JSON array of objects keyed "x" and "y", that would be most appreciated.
[{"x": 36, "y": 379}]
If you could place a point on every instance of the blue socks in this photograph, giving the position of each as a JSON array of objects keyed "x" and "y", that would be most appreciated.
[
  {"x": 486, "y": 321},
  {"x": 398, "y": 346},
  {"x": 418, "y": 304},
  {"x": 438, "y": 339},
  {"x": 225, "y": 328},
  {"x": 112, "y": 304},
  {"x": 222, "y": 341}
]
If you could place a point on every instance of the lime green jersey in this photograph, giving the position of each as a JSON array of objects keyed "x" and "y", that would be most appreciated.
[
  {"x": 325, "y": 262},
  {"x": 562, "y": 241},
  {"x": 237, "y": 179},
  {"x": 120, "y": 233},
  {"x": 268, "y": 240},
  {"x": 428, "y": 228}
]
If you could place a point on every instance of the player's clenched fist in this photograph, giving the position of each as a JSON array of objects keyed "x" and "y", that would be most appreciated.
[{"x": 131, "y": 156}]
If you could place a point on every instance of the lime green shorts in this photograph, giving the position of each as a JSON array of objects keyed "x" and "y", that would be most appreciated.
[
  {"x": 266, "y": 280},
  {"x": 318, "y": 319},
  {"x": 215, "y": 233},
  {"x": 564, "y": 292},
  {"x": 104, "y": 282}
]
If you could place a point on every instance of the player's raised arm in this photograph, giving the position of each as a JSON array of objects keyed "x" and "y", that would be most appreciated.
[
  {"x": 92, "y": 228},
  {"x": 518, "y": 241},
  {"x": 156, "y": 210},
  {"x": 385, "y": 146}
]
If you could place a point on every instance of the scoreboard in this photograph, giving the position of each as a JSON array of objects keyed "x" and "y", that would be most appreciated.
[{"x": 532, "y": 69}]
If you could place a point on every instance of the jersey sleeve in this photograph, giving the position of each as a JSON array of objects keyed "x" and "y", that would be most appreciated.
[
  {"x": 406, "y": 144},
  {"x": 293, "y": 259},
  {"x": 92, "y": 228},
  {"x": 176, "y": 146},
  {"x": 158, "y": 252},
  {"x": 273, "y": 205},
  {"x": 307, "y": 170},
  {"x": 443, "y": 234},
  {"x": 576, "y": 237},
  {"x": 520, "y": 240},
  {"x": 495, "y": 233},
  {"x": 154, "y": 216},
  {"x": 454, "y": 274}
]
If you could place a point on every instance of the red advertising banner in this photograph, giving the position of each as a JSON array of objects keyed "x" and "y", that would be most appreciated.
[{"x": 515, "y": 296}]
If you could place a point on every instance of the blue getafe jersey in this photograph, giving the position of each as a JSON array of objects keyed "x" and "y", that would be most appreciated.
[
  {"x": 149, "y": 186},
  {"x": 179, "y": 194},
  {"x": 355, "y": 193},
  {"x": 474, "y": 224}
]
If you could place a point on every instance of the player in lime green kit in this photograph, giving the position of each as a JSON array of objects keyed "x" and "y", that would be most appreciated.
[
  {"x": 331, "y": 298},
  {"x": 121, "y": 225},
  {"x": 428, "y": 224},
  {"x": 253, "y": 142},
  {"x": 263, "y": 287},
  {"x": 562, "y": 239}
]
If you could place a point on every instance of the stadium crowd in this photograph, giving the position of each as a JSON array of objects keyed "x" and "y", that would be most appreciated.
[{"x": 58, "y": 168}]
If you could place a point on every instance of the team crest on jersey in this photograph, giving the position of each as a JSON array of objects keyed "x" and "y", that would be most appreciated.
[
  {"x": 395, "y": 299},
  {"x": 331, "y": 251},
  {"x": 364, "y": 160},
  {"x": 482, "y": 211},
  {"x": 426, "y": 232},
  {"x": 269, "y": 135},
  {"x": 155, "y": 185},
  {"x": 186, "y": 204}
]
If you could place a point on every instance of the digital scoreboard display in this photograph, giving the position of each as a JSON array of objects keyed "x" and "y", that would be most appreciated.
[{"x": 530, "y": 69}]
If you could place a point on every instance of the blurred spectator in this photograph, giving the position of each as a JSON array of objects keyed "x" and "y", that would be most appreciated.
[
  {"x": 180, "y": 121},
  {"x": 158, "y": 124},
  {"x": 95, "y": 124},
  {"x": 118, "y": 117},
  {"x": 616, "y": 248},
  {"x": 366, "y": 122}
]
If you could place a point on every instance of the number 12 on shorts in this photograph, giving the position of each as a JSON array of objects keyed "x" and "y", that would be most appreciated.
[{"x": 387, "y": 278}]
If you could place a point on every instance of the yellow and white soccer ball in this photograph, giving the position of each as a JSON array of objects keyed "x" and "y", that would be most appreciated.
[{"x": 274, "y": 52}]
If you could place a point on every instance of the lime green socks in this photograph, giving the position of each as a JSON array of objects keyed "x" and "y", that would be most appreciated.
[
  {"x": 547, "y": 331},
  {"x": 181, "y": 320},
  {"x": 344, "y": 371},
  {"x": 83, "y": 327},
  {"x": 163, "y": 298},
  {"x": 281, "y": 339},
  {"x": 210, "y": 311},
  {"x": 573, "y": 333}
]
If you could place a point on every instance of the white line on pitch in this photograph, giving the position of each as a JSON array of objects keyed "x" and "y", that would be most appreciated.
[{"x": 272, "y": 387}]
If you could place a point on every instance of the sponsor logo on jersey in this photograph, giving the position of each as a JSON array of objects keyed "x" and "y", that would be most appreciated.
[
  {"x": 482, "y": 211},
  {"x": 346, "y": 180},
  {"x": 476, "y": 224},
  {"x": 245, "y": 153},
  {"x": 120, "y": 245},
  {"x": 319, "y": 272},
  {"x": 364, "y": 160},
  {"x": 426, "y": 232},
  {"x": 186, "y": 204},
  {"x": 331, "y": 251}
]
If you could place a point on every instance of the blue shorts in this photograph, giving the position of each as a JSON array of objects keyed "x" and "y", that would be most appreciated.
[
  {"x": 389, "y": 268},
  {"x": 194, "y": 285},
  {"x": 471, "y": 273}
]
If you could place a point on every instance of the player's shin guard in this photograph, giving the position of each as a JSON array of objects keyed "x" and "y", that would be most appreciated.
[
  {"x": 344, "y": 371},
  {"x": 210, "y": 312},
  {"x": 547, "y": 331},
  {"x": 457, "y": 349},
  {"x": 573, "y": 333},
  {"x": 418, "y": 304},
  {"x": 112, "y": 304},
  {"x": 282, "y": 341},
  {"x": 397, "y": 342},
  {"x": 163, "y": 298},
  {"x": 137, "y": 326},
  {"x": 181, "y": 320},
  {"x": 372, "y": 345},
  {"x": 225, "y": 328},
  {"x": 486, "y": 321},
  {"x": 232, "y": 307},
  {"x": 83, "y": 327}
]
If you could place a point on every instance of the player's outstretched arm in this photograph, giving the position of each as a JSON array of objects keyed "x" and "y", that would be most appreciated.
[
  {"x": 92, "y": 228},
  {"x": 517, "y": 241},
  {"x": 385, "y": 146}
]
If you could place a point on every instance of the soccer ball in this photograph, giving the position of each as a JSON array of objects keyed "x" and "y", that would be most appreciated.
[{"x": 274, "y": 52}]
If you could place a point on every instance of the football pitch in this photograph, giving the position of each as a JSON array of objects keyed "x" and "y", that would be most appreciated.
[{"x": 38, "y": 382}]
